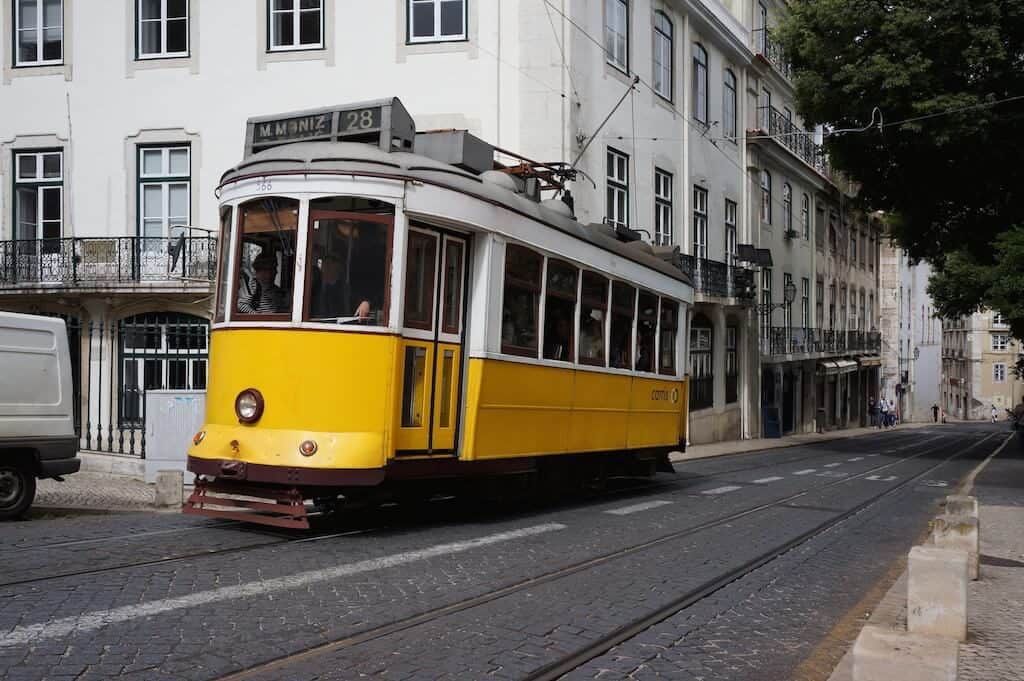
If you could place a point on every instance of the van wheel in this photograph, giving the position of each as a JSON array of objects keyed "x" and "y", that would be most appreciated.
[{"x": 17, "y": 490}]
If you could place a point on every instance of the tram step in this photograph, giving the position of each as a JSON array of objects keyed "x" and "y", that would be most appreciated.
[{"x": 275, "y": 507}]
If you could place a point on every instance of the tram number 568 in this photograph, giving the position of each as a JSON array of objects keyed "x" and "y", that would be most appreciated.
[{"x": 264, "y": 185}]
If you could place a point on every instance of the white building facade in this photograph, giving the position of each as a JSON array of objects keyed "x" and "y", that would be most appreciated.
[{"x": 119, "y": 118}]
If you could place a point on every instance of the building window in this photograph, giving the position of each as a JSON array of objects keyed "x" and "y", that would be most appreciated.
[
  {"x": 842, "y": 305},
  {"x": 766, "y": 197},
  {"x": 700, "y": 84},
  {"x": 663, "y": 51},
  {"x": 762, "y": 28},
  {"x": 863, "y": 319},
  {"x": 433, "y": 21},
  {"x": 700, "y": 223},
  {"x": 618, "y": 188},
  {"x": 805, "y": 303},
  {"x": 164, "y": 191},
  {"x": 819, "y": 303},
  {"x": 832, "y": 305},
  {"x": 701, "y": 374},
  {"x": 732, "y": 373},
  {"x": 805, "y": 216},
  {"x": 871, "y": 255},
  {"x": 39, "y": 32},
  {"x": 766, "y": 107},
  {"x": 662, "y": 207},
  {"x": 998, "y": 319},
  {"x": 833, "y": 231},
  {"x": 787, "y": 207},
  {"x": 730, "y": 233},
  {"x": 853, "y": 247},
  {"x": 159, "y": 351},
  {"x": 999, "y": 373},
  {"x": 729, "y": 105},
  {"x": 766, "y": 301},
  {"x": 162, "y": 29},
  {"x": 787, "y": 279},
  {"x": 616, "y": 33},
  {"x": 1000, "y": 341},
  {"x": 39, "y": 197},
  {"x": 871, "y": 312},
  {"x": 296, "y": 24}
]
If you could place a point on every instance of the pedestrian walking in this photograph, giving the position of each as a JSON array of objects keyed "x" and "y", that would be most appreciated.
[
  {"x": 883, "y": 408},
  {"x": 935, "y": 413},
  {"x": 994, "y": 414},
  {"x": 873, "y": 411}
]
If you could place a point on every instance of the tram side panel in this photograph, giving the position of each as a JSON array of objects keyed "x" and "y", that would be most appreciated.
[
  {"x": 516, "y": 409},
  {"x": 333, "y": 388}
]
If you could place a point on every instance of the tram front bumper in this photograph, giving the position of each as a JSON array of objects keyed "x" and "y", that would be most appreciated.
[{"x": 243, "y": 471}]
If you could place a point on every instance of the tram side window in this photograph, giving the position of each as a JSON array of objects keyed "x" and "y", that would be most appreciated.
[
  {"x": 521, "y": 301},
  {"x": 667, "y": 344},
  {"x": 560, "y": 311},
  {"x": 593, "y": 318},
  {"x": 222, "y": 267},
  {"x": 266, "y": 262},
  {"x": 646, "y": 331},
  {"x": 350, "y": 258},
  {"x": 621, "y": 340}
]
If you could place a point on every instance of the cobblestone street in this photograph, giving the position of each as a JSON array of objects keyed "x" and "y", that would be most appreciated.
[{"x": 738, "y": 567}]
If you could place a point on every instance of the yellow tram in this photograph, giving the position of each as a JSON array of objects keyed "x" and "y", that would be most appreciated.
[{"x": 397, "y": 312}]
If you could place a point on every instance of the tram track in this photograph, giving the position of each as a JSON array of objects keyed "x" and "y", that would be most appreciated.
[
  {"x": 950, "y": 451},
  {"x": 286, "y": 539}
]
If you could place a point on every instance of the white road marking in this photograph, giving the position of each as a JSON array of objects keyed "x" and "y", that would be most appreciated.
[
  {"x": 91, "y": 621},
  {"x": 805, "y": 471},
  {"x": 878, "y": 478},
  {"x": 832, "y": 465},
  {"x": 832, "y": 474},
  {"x": 721, "y": 490},
  {"x": 636, "y": 508},
  {"x": 856, "y": 458},
  {"x": 764, "y": 480}
]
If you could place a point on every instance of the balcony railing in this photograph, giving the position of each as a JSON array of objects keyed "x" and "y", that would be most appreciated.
[
  {"x": 794, "y": 138},
  {"x": 716, "y": 278},
  {"x": 770, "y": 49},
  {"x": 784, "y": 340},
  {"x": 106, "y": 261}
]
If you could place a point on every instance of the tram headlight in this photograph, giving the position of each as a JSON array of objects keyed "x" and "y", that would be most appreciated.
[{"x": 249, "y": 406}]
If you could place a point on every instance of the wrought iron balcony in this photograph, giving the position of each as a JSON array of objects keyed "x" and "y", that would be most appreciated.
[
  {"x": 106, "y": 261},
  {"x": 784, "y": 340},
  {"x": 771, "y": 51},
  {"x": 715, "y": 278},
  {"x": 794, "y": 138}
]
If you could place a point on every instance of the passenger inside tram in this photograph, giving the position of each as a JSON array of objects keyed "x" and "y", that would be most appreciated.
[
  {"x": 261, "y": 294},
  {"x": 267, "y": 263},
  {"x": 349, "y": 272}
]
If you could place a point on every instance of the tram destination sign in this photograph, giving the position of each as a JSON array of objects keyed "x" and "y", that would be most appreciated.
[{"x": 385, "y": 123}]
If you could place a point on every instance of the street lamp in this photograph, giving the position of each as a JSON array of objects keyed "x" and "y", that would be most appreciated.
[{"x": 788, "y": 296}]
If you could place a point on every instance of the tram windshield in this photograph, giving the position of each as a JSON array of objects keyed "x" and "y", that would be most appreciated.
[
  {"x": 350, "y": 257},
  {"x": 266, "y": 262}
]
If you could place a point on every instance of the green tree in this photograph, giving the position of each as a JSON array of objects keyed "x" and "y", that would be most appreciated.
[{"x": 951, "y": 176}]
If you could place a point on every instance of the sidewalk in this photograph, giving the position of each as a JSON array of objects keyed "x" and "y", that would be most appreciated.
[
  {"x": 740, "y": 446},
  {"x": 994, "y": 650}
]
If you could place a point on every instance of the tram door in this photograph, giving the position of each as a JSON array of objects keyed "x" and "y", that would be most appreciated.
[{"x": 431, "y": 359}]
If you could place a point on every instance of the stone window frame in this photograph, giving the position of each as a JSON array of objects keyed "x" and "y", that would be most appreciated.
[{"x": 64, "y": 68}]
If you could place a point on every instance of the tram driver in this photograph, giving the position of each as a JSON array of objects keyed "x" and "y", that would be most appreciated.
[
  {"x": 260, "y": 294},
  {"x": 348, "y": 280}
]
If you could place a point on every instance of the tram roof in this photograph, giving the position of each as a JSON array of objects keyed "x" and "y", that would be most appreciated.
[{"x": 364, "y": 159}]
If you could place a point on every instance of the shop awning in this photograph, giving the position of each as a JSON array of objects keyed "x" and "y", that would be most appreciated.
[
  {"x": 845, "y": 366},
  {"x": 827, "y": 368},
  {"x": 873, "y": 361}
]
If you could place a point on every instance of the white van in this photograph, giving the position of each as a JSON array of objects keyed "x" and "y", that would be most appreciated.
[{"x": 37, "y": 422}]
